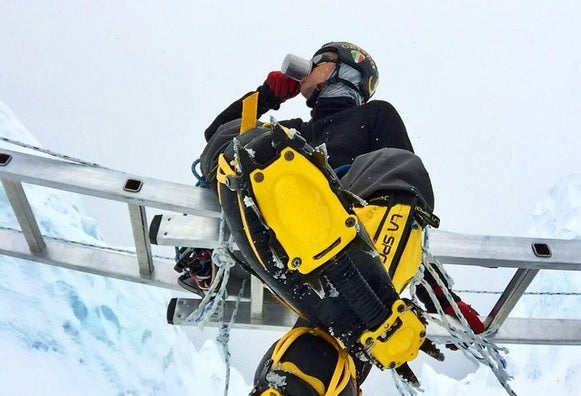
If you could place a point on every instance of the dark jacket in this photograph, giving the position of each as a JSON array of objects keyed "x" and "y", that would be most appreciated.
[
  {"x": 347, "y": 130},
  {"x": 372, "y": 133}
]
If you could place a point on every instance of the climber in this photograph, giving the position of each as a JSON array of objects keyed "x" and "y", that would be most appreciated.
[{"x": 383, "y": 186}]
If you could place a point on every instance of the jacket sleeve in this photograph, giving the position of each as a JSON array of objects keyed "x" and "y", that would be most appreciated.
[
  {"x": 266, "y": 101},
  {"x": 389, "y": 129}
]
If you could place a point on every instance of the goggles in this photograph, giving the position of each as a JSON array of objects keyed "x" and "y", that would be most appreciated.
[
  {"x": 319, "y": 59},
  {"x": 296, "y": 67}
]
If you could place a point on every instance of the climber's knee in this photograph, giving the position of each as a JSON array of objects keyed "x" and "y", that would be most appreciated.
[{"x": 307, "y": 362}]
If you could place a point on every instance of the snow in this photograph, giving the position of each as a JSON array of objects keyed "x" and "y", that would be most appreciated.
[{"x": 69, "y": 333}]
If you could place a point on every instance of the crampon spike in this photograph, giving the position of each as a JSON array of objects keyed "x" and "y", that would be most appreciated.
[
  {"x": 406, "y": 373},
  {"x": 430, "y": 349}
]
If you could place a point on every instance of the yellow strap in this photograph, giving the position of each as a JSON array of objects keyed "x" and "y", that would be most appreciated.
[
  {"x": 271, "y": 392},
  {"x": 314, "y": 382},
  {"x": 285, "y": 342},
  {"x": 345, "y": 368},
  {"x": 249, "y": 111},
  {"x": 224, "y": 169}
]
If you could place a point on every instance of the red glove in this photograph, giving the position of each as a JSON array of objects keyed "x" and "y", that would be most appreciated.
[
  {"x": 470, "y": 314},
  {"x": 282, "y": 86}
]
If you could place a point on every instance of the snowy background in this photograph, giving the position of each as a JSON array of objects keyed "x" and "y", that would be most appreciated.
[{"x": 489, "y": 93}]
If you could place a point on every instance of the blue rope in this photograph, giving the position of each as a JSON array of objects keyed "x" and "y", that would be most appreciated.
[
  {"x": 201, "y": 179},
  {"x": 341, "y": 170}
]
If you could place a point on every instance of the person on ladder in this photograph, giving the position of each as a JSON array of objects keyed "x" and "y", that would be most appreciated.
[{"x": 281, "y": 201}]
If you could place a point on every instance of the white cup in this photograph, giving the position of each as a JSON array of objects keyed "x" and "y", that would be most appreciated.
[{"x": 296, "y": 67}]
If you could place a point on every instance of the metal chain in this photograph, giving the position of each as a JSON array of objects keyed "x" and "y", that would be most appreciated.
[{"x": 50, "y": 152}]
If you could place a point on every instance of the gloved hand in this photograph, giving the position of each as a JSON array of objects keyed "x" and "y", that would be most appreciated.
[
  {"x": 282, "y": 87},
  {"x": 470, "y": 314},
  {"x": 471, "y": 317}
]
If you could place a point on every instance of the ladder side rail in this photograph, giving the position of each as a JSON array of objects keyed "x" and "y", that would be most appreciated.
[
  {"x": 505, "y": 252},
  {"x": 90, "y": 259},
  {"x": 122, "y": 266},
  {"x": 101, "y": 261},
  {"x": 24, "y": 214},
  {"x": 531, "y": 331},
  {"x": 109, "y": 184},
  {"x": 514, "y": 331},
  {"x": 274, "y": 317},
  {"x": 447, "y": 247},
  {"x": 540, "y": 332}
]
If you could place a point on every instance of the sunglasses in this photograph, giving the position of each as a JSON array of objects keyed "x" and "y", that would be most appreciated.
[{"x": 322, "y": 58}]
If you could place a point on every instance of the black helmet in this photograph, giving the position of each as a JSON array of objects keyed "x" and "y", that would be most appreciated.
[{"x": 360, "y": 60}]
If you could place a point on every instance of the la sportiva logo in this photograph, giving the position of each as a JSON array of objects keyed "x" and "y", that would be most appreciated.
[{"x": 390, "y": 237}]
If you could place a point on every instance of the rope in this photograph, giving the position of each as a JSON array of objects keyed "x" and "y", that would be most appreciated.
[
  {"x": 201, "y": 179},
  {"x": 476, "y": 347},
  {"x": 224, "y": 261},
  {"x": 49, "y": 152},
  {"x": 223, "y": 337},
  {"x": 558, "y": 293},
  {"x": 222, "y": 258}
]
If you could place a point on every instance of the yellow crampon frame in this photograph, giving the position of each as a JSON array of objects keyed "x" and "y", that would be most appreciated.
[{"x": 307, "y": 217}]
